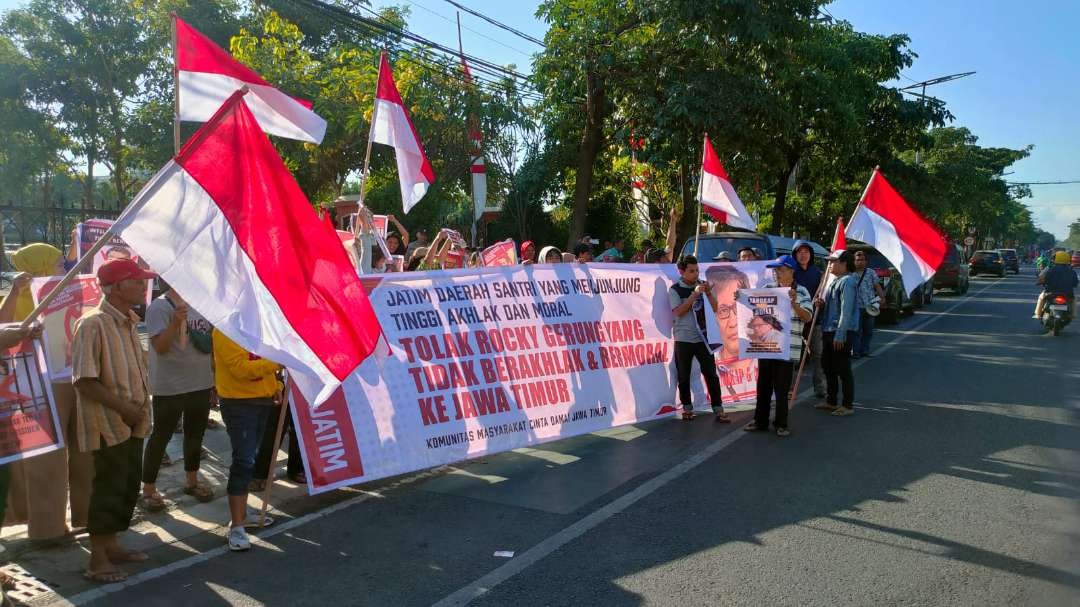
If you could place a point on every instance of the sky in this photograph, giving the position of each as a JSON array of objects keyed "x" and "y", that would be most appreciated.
[{"x": 1024, "y": 55}]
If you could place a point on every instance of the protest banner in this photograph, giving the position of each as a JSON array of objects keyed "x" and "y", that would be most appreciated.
[
  {"x": 764, "y": 323},
  {"x": 491, "y": 361},
  {"x": 59, "y": 317},
  {"x": 455, "y": 259},
  {"x": 379, "y": 224},
  {"x": 455, "y": 237},
  {"x": 29, "y": 424},
  {"x": 500, "y": 254}
]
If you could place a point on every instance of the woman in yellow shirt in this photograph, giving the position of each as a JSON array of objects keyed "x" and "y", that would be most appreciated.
[{"x": 249, "y": 388}]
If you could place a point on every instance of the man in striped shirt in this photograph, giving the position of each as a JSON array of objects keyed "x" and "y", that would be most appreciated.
[
  {"x": 110, "y": 373},
  {"x": 774, "y": 376}
]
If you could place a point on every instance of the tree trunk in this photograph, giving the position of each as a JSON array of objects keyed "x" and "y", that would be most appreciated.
[
  {"x": 688, "y": 223},
  {"x": 591, "y": 141},
  {"x": 777, "y": 225},
  {"x": 88, "y": 193}
]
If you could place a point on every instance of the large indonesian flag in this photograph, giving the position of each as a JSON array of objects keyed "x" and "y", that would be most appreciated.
[
  {"x": 886, "y": 221},
  {"x": 718, "y": 196},
  {"x": 390, "y": 125},
  {"x": 208, "y": 75},
  {"x": 226, "y": 225}
]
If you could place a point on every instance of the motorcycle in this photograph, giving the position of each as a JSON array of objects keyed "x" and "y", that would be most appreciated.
[{"x": 1056, "y": 313}]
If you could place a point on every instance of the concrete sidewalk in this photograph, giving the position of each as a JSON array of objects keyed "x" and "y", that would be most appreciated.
[{"x": 45, "y": 569}]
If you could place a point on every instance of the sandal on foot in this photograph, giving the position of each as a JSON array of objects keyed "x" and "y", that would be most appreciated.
[
  {"x": 199, "y": 491},
  {"x": 754, "y": 427},
  {"x": 782, "y": 432},
  {"x": 152, "y": 503},
  {"x": 104, "y": 577},
  {"x": 687, "y": 416},
  {"x": 128, "y": 556},
  {"x": 722, "y": 418},
  {"x": 299, "y": 478}
]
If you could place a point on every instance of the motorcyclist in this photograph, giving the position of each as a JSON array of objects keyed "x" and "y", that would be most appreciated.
[{"x": 1057, "y": 279}]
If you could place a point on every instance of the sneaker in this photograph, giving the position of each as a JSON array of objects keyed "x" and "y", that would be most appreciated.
[
  {"x": 255, "y": 521},
  {"x": 238, "y": 540},
  {"x": 844, "y": 411}
]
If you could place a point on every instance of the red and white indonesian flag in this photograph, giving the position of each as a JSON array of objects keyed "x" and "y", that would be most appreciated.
[
  {"x": 226, "y": 225},
  {"x": 476, "y": 163},
  {"x": 208, "y": 75},
  {"x": 390, "y": 125},
  {"x": 839, "y": 239},
  {"x": 718, "y": 196},
  {"x": 886, "y": 221}
]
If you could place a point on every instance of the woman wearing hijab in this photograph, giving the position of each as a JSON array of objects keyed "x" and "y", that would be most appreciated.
[
  {"x": 550, "y": 254},
  {"x": 39, "y": 486}
]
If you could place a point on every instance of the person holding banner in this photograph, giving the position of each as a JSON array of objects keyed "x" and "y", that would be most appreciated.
[
  {"x": 774, "y": 376},
  {"x": 689, "y": 333},
  {"x": 250, "y": 392},
  {"x": 111, "y": 377},
  {"x": 44, "y": 506},
  {"x": 839, "y": 322}
]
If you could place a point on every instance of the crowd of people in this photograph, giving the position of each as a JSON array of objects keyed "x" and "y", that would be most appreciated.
[{"x": 125, "y": 401}]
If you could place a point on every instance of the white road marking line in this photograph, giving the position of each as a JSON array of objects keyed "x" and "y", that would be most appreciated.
[{"x": 541, "y": 550}]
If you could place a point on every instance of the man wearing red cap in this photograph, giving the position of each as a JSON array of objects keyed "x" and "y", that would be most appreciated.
[{"x": 110, "y": 373}]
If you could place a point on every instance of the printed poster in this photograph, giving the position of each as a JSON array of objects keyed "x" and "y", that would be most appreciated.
[
  {"x": 59, "y": 317},
  {"x": 764, "y": 323},
  {"x": 500, "y": 254},
  {"x": 29, "y": 424}
]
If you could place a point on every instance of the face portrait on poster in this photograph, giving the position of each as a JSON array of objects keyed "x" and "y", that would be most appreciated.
[
  {"x": 59, "y": 317},
  {"x": 764, "y": 323},
  {"x": 29, "y": 424}
]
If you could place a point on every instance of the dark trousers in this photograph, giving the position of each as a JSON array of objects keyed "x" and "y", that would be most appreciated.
[
  {"x": 195, "y": 407},
  {"x": 861, "y": 345},
  {"x": 268, "y": 451},
  {"x": 774, "y": 378},
  {"x": 685, "y": 353},
  {"x": 837, "y": 365},
  {"x": 245, "y": 422},
  {"x": 115, "y": 490}
]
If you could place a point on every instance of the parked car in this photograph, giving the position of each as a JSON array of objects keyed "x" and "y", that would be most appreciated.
[
  {"x": 953, "y": 273},
  {"x": 711, "y": 245},
  {"x": 897, "y": 302},
  {"x": 1012, "y": 261},
  {"x": 987, "y": 262}
]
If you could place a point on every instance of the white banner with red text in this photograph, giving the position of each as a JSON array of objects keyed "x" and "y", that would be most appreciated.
[{"x": 496, "y": 359}]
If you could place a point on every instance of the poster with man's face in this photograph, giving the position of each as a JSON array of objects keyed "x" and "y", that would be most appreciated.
[
  {"x": 90, "y": 231},
  {"x": 764, "y": 323},
  {"x": 29, "y": 424},
  {"x": 59, "y": 317}
]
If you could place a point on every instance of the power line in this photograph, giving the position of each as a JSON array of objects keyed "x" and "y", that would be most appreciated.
[
  {"x": 434, "y": 61},
  {"x": 1042, "y": 182},
  {"x": 497, "y": 24},
  {"x": 478, "y": 33}
]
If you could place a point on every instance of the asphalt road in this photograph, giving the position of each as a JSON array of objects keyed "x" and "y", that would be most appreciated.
[{"x": 955, "y": 483}]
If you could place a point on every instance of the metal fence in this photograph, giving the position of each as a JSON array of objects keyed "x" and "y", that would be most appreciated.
[{"x": 22, "y": 224}]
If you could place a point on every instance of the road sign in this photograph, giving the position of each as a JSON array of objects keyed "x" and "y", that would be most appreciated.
[{"x": 969, "y": 241}]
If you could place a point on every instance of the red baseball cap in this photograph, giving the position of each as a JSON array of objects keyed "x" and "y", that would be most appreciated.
[{"x": 115, "y": 270}]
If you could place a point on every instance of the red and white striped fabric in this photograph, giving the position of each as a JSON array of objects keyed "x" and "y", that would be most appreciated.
[
  {"x": 208, "y": 75},
  {"x": 391, "y": 126},
  {"x": 839, "y": 239},
  {"x": 226, "y": 225},
  {"x": 718, "y": 196},
  {"x": 479, "y": 185},
  {"x": 886, "y": 221}
]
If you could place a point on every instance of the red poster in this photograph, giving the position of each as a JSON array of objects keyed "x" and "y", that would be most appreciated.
[
  {"x": 501, "y": 254},
  {"x": 29, "y": 425},
  {"x": 58, "y": 318}
]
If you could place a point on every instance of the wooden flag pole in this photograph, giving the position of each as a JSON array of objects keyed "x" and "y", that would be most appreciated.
[
  {"x": 182, "y": 337},
  {"x": 367, "y": 153},
  {"x": 697, "y": 226},
  {"x": 273, "y": 457}
]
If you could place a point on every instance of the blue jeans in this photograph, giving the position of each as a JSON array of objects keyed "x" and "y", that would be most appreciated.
[
  {"x": 860, "y": 343},
  {"x": 245, "y": 422}
]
